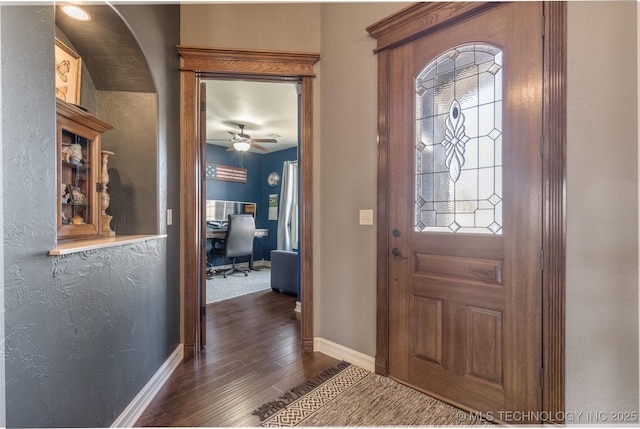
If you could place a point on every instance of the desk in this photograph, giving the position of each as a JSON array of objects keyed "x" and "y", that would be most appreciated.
[{"x": 219, "y": 234}]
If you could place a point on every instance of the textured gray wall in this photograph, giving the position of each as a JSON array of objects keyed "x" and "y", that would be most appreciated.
[
  {"x": 84, "y": 332},
  {"x": 157, "y": 29},
  {"x": 3, "y": 420},
  {"x": 133, "y": 170}
]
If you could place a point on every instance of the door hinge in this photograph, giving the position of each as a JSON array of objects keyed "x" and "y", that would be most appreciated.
[{"x": 541, "y": 259}]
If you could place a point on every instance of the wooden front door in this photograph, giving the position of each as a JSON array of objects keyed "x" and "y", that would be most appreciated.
[{"x": 465, "y": 210}]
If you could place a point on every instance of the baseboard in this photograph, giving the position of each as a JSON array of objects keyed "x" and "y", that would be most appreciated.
[
  {"x": 344, "y": 353},
  {"x": 262, "y": 264},
  {"x": 134, "y": 410}
]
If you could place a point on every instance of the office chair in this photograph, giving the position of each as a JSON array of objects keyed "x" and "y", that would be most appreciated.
[{"x": 238, "y": 240}]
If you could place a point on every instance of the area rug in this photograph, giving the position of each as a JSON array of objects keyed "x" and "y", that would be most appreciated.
[
  {"x": 347, "y": 396},
  {"x": 220, "y": 288}
]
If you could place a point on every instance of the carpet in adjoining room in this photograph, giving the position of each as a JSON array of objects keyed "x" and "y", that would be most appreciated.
[
  {"x": 237, "y": 284},
  {"x": 348, "y": 396}
]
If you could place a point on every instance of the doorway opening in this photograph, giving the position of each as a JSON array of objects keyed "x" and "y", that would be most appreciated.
[
  {"x": 269, "y": 66},
  {"x": 251, "y": 135}
]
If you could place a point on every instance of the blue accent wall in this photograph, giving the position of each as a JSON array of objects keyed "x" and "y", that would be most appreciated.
[
  {"x": 272, "y": 162},
  {"x": 255, "y": 190},
  {"x": 233, "y": 191}
]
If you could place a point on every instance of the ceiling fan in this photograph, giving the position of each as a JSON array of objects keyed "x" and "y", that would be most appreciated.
[{"x": 242, "y": 142}]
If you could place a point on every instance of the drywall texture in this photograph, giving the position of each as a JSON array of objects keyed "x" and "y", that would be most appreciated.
[
  {"x": 84, "y": 332},
  {"x": 3, "y": 414},
  {"x": 283, "y": 27},
  {"x": 348, "y": 127},
  {"x": 133, "y": 170},
  {"x": 157, "y": 29},
  {"x": 602, "y": 216}
]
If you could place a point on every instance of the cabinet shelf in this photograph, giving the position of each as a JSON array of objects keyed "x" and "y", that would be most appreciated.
[{"x": 75, "y": 166}]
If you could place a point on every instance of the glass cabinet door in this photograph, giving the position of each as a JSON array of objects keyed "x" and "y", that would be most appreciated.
[{"x": 75, "y": 174}]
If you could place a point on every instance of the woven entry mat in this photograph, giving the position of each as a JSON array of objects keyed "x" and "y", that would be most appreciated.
[{"x": 346, "y": 396}]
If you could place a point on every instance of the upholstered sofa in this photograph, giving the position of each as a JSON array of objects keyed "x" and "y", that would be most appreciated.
[{"x": 284, "y": 271}]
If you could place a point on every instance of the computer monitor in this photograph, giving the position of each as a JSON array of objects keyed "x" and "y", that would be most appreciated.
[{"x": 217, "y": 210}]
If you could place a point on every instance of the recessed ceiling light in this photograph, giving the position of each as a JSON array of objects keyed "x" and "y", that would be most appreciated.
[{"x": 75, "y": 12}]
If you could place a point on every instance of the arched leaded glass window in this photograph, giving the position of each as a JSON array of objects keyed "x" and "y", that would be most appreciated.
[{"x": 459, "y": 142}]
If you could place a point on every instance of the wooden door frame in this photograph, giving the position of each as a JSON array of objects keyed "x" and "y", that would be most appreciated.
[
  {"x": 195, "y": 63},
  {"x": 419, "y": 20}
]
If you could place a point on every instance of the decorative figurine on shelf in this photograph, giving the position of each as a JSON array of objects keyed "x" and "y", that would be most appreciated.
[
  {"x": 76, "y": 154},
  {"x": 65, "y": 194},
  {"x": 77, "y": 220},
  {"x": 66, "y": 153},
  {"x": 77, "y": 197}
]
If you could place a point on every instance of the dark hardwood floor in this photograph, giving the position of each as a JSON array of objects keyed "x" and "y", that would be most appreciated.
[{"x": 253, "y": 355}]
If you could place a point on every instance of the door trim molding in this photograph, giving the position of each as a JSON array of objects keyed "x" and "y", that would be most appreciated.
[
  {"x": 196, "y": 62},
  {"x": 419, "y": 19},
  {"x": 554, "y": 220},
  {"x": 414, "y": 22}
]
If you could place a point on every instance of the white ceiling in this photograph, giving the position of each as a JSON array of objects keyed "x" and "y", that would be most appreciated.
[{"x": 266, "y": 108}]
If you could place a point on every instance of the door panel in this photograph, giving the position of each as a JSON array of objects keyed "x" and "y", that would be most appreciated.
[
  {"x": 427, "y": 314},
  {"x": 484, "y": 344},
  {"x": 465, "y": 280},
  {"x": 489, "y": 270}
]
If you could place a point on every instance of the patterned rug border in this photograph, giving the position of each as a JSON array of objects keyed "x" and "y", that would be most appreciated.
[
  {"x": 306, "y": 406},
  {"x": 270, "y": 408}
]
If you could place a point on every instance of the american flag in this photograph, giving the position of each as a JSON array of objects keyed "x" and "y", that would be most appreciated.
[{"x": 226, "y": 173}]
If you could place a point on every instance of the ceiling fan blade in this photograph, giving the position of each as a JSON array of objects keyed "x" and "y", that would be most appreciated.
[
  {"x": 260, "y": 148},
  {"x": 231, "y": 149},
  {"x": 265, "y": 140}
]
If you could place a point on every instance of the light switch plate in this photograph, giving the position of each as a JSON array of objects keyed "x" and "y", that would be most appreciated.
[
  {"x": 169, "y": 216},
  {"x": 366, "y": 217}
]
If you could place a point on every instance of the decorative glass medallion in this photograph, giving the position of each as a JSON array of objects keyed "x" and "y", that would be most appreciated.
[
  {"x": 458, "y": 161},
  {"x": 454, "y": 141}
]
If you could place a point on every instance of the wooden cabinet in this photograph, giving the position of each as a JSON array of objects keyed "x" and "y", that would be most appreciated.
[{"x": 79, "y": 172}]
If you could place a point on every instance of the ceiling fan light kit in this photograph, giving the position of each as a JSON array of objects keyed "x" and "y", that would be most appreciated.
[
  {"x": 242, "y": 146},
  {"x": 242, "y": 142}
]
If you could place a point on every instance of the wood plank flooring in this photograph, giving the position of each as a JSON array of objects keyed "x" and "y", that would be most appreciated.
[{"x": 253, "y": 355}]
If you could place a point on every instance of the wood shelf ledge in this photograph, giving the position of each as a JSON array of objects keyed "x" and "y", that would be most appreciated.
[{"x": 100, "y": 243}]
